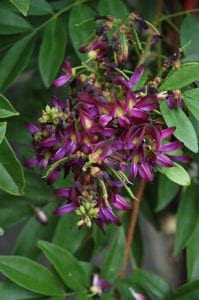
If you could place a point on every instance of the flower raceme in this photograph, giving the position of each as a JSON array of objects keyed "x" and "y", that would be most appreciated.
[{"x": 108, "y": 124}]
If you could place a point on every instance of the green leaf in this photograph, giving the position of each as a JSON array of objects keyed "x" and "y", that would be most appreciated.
[
  {"x": 193, "y": 256},
  {"x": 151, "y": 281},
  {"x": 39, "y": 8},
  {"x": 52, "y": 50},
  {"x": 30, "y": 275},
  {"x": 67, "y": 233},
  {"x": 13, "y": 210},
  {"x": 187, "y": 217},
  {"x": 167, "y": 190},
  {"x": 10, "y": 291},
  {"x": 11, "y": 23},
  {"x": 115, "y": 8},
  {"x": 15, "y": 61},
  {"x": 184, "y": 129},
  {"x": 11, "y": 172},
  {"x": 6, "y": 108},
  {"x": 177, "y": 79},
  {"x": 191, "y": 99},
  {"x": 188, "y": 291},
  {"x": 25, "y": 246},
  {"x": 189, "y": 27},
  {"x": 66, "y": 265},
  {"x": 102, "y": 240},
  {"x": 2, "y": 130},
  {"x": 114, "y": 259},
  {"x": 1, "y": 231},
  {"x": 21, "y": 5},
  {"x": 79, "y": 28},
  {"x": 176, "y": 174}
]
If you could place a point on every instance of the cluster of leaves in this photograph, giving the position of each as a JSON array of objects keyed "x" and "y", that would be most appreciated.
[{"x": 37, "y": 44}]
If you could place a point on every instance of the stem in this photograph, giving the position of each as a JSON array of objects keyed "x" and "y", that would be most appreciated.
[
  {"x": 131, "y": 229},
  {"x": 58, "y": 14},
  {"x": 181, "y": 13}
]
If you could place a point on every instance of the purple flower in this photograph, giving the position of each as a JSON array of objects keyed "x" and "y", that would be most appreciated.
[
  {"x": 60, "y": 81},
  {"x": 99, "y": 285},
  {"x": 174, "y": 100}
]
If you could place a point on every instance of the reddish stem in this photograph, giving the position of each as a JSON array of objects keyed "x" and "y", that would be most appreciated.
[{"x": 131, "y": 229}]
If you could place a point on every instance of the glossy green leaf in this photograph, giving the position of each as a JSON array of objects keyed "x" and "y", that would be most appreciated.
[
  {"x": 26, "y": 246},
  {"x": 103, "y": 240},
  {"x": 191, "y": 99},
  {"x": 2, "y": 130},
  {"x": 184, "y": 129},
  {"x": 193, "y": 256},
  {"x": 81, "y": 27},
  {"x": 151, "y": 281},
  {"x": 11, "y": 172},
  {"x": 6, "y": 108},
  {"x": 82, "y": 296},
  {"x": 11, "y": 291},
  {"x": 116, "y": 8},
  {"x": 52, "y": 50},
  {"x": 189, "y": 291},
  {"x": 187, "y": 217},
  {"x": 167, "y": 190},
  {"x": 176, "y": 174},
  {"x": 188, "y": 36},
  {"x": 21, "y": 5},
  {"x": 15, "y": 61},
  {"x": 40, "y": 8},
  {"x": 11, "y": 23},
  {"x": 67, "y": 233},
  {"x": 13, "y": 209},
  {"x": 114, "y": 259},
  {"x": 177, "y": 79},
  {"x": 30, "y": 275},
  {"x": 66, "y": 265}
]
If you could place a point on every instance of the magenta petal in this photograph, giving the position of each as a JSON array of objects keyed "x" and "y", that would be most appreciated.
[
  {"x": 53, "y": 176},
  {"x": 136, "y": 76},
  {"x": 120, "y": 203},
  {"x": 145, "y": 172},
  {"x": 106, "y": 215},
  {"x": 60, "y": 153},
  {"x": 32, "y": 162},
  {"x": 133, "y": 170},
  {"x": 49, "y": 142},
  {"x": 104, "y": 119},
  {"x": 62, "y": 192},
  {"x": 137, "y": 113},
  {"x": 182, "y": 158},
  {"x": 32, "y": 128},
  {"x": 65, "y": 209},
  {"x": 60, "y": 81},
  {"x": 164, "y": 161},
  {"x": 167, "y": 132},
  {"x": 173, "y": 146}
]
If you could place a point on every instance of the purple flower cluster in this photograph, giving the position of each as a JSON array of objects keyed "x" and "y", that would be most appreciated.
[{"x": 108, "y": 124}]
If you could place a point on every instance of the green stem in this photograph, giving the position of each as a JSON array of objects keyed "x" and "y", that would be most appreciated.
[
  {"x": 122, "y": 73},
  {"x": 58, "y": 14},
  {"x": 181, "y": 13}
]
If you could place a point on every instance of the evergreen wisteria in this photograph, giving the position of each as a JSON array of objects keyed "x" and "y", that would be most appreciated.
[{"x": 109, "y": 129}]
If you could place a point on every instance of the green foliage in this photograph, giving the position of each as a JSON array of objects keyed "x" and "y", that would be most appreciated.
[
  {"x": 35, "y": 38},
  {"x": 188, "y": 216},
  {"x": 30, "y": 275},
  {"x": 184, "y": 129},
  {"x": 52, "y": 50}
]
